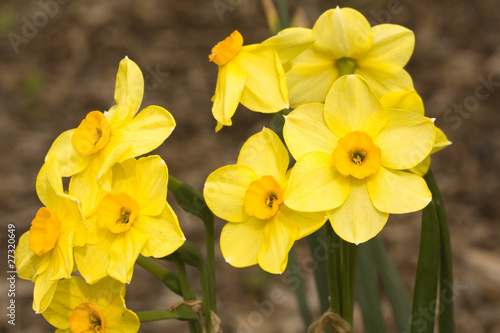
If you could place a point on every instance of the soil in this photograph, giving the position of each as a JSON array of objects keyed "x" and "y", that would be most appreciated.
[{"x": 63, "y": 65}]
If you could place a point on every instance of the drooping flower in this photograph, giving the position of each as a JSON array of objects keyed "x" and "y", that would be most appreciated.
[
  {"x": 133, "y": 218},
  {"x": 410, "y": 101},
  {"x": 45, "y": 253},
  {"x": 346, "y": 44},
  {"x": 253, "y": 75},
  {"x": 352, "y": 154},
  {"x": 261, "y": 228},
  {"x": 103, "y": 139},
  {"x": 78, "y": 307}
]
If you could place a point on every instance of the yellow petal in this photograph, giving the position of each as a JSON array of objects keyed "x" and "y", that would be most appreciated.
[
  {"x": 70, "y": 161},
  {"x": 265, "y": 88},
  {"x": 384, "y": 78},
  {"x": 351, "y": 106},
  {"x": 406, "y": 139},
  {"x": 240, "y": 243},
  {"x": 93, "y": 260},
  {"x": 145, "y": 180},
  {"x": 124, "y": 252},
  {"x": 315, "y": 185},
  {"x": 49, "y": 184},
  {"x": 441, "y": 140},
  {"x": 43, "y": 292},
  {"x": 306, "y": 222},
  {"x": 421, "y": 168},
  {"x": 225, "y": 190},
  {"x": 289, "y": 43},
  {"x": 265, "y": 154},
  {"x": 398, "y": 192},
  {"x": 27, "y": 262},
  {"x": 146, "y": 132},
  {"x": 84, "y": 186},
  {"x": 392, "y": 44},
  {"x": 357, "y": 220},
  {"x": 230, "y": 84},
  {"x": 407, "y": 100},
  {"x": 163, "y": 232},
  {"x": 310, "y": 69},
  {"x": 305, "y": 130},
  {"x": 279, "y": 235},
  {"x": 342, "y": 33},
  {"x": 129, "y": 90},
  {"x": 113, "y": 153}
]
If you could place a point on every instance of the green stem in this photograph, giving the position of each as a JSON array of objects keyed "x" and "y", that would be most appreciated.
[
  {"x": 170, "y": 279},
  {"x": 334, "y": 269},
  {"x": 284, "y": 13},
  {"x": 193, "y": 202},
  {"x": 299, "y": 290},
  {"x": 321, "y": 272},
  {"x": 181, "y": 313},
  {"x": 446, "y": 322},
  {"x": 349, "y": 263}
]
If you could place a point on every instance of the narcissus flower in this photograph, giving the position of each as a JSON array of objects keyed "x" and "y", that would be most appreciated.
[
  {"x": 249, "y": 195},
  {"x": 352, "y": 154},
  {"x": 133, "y": 218},
  {"x": 253, "y": 74},
  {"x": 80, "y": 308},
  {"x": 346, "y": 44},
  {"x": 45, "y": 253},
  {"x": 411, "y": 101},
  {"x": 103, "y": 139}
]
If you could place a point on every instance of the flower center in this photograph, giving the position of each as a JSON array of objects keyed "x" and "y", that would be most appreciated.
[
  {"x": 86, "y": 318},
  {"x": 356, "y": 155},
  {"x": 263, "y": 197},
  {"x": 346, "y": 66},
  {"x": 44, "y": 231},
  {"x": 117, "y": 212},
  {"x": 92, "y": 134},
  {"x": 227, "y": 49}
]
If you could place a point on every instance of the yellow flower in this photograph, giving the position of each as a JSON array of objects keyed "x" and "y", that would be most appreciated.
[
  {"x": 249, "y": 195},
  {"x": 132, "y": 218},
  {"x": 45, "y": 253},
  {"x": 410, "y": 101},
  {"x": 253, "y": 75},
  {"x": 346, "y": 44},
  {"x": 352, "y": 154},
  {"x": 103, "y": 139},
  {"x": 80, "y": 308}
]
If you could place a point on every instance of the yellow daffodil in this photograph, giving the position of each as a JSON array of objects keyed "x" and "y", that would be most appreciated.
[
  {"x": 251, "y": 75},
  {"x": 103, "y": 139},
  {"x": 352, "y": 154},
  {"x": 133, "y": 218},
  {"x": 249, "y": 195},
  {"x": 78, "y": 307},
  {"x": 345, "y": 44},
  {"x": 410, "y": 101},
  {"x": 45, "y": 253}
]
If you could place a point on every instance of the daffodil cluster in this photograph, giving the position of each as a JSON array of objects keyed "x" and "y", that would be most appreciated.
[
  {"x": 114, "y": 209},
  {"x": 356, "y": 129}
]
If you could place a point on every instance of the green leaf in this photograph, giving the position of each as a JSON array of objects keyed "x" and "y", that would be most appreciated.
[
  {"x": 368, "y": 291},
  {"x": 392, "y": 285},
  {"x": 426, "y": 284}
]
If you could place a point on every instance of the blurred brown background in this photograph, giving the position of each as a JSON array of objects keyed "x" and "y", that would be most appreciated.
[{"x": 53, "y": 74}]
